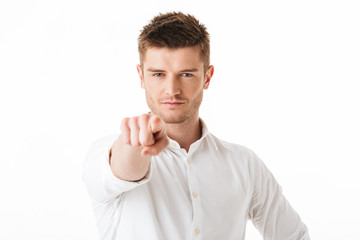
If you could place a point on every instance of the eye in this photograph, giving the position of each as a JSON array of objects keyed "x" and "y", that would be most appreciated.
[
  {"x": 158, "y": 74},
  {"x": 188, "y": 75}
]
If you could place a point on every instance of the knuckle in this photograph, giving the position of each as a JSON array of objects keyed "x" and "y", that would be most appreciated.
[
  {"x": 136, "y": 144},
  {"x": 133, "y": 121},
  {"x": 125, "y": 121},
  {"x": 156, "y": 119},
  {"x": 144, "y": 118}
]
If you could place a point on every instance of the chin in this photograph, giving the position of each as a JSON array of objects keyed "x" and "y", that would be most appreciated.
[{"x": 173, "y": 118}]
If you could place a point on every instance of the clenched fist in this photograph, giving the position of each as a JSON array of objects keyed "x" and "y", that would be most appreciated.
[
  {"x": 141, "y": 137},
  {"x": 147, "y": 131}
]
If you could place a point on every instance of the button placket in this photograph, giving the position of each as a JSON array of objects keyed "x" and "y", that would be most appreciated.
[
  {"x": 197, "y": 213},
  {"x": 195, "y": 200}
]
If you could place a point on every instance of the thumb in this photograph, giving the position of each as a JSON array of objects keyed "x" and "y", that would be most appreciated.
[{"x": 155, "y": 149}]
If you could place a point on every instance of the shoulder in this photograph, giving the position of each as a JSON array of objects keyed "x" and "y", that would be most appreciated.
[
  {"x": 232, "y": 148},
  {"x": 238, "y": 153},
  {"x": 105, "y": 140},
  {"x": 101, "y": 145}
]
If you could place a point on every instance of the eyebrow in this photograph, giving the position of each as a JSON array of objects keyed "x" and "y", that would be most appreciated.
[
  {"x": 154, "y": 70},
  {"x": 190, "y": 70},
  {"x": 184, "y": 70}
]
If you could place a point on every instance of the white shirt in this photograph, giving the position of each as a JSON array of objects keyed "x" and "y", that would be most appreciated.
[{"x": 207, "y": 193}]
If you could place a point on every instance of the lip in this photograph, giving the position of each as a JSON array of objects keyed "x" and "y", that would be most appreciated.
[{"x": 172, "y": 104}]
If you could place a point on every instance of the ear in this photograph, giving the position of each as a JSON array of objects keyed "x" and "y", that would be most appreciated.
[
  {"x": 141, "y": 76},
  {"x": 208, "y": 75}
]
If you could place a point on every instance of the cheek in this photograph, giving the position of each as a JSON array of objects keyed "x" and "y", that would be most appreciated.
[
  {"x": 193, "y": 89},
  {"x": 152, "y": 90}
]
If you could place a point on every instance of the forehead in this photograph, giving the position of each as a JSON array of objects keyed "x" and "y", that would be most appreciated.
[{"x": 187, "y": 57}]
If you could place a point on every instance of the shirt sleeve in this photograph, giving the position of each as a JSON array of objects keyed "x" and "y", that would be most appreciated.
[
  {"x": 102, "y": 185},
  {"x": 269, "y": 211}
]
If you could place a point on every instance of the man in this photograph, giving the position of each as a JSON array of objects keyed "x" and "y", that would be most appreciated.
[{"x": 166, "y": 176}]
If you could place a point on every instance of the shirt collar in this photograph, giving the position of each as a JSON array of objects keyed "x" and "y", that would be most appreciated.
[{"x": 205, "y": 134}]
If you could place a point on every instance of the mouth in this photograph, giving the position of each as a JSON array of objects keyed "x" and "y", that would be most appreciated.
[{"x": 172, "y": 104}]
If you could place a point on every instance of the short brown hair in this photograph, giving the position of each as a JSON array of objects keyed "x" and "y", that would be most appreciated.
[{"x": 175, "y": 30}]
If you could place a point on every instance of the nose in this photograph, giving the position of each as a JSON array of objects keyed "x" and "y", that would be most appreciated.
[{"x": 172, "y": 86}]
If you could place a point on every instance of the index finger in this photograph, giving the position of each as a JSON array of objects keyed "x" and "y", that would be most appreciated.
[{"x": 157, "y": 126}]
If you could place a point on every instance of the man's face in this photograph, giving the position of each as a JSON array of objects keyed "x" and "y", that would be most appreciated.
[{"x": 174, "y": 80}]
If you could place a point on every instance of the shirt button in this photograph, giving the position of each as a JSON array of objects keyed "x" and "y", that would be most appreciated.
[
  {"x": 194, "y": 194},
  {"x": 197, "y": 231},
  {"x": 189, "y": 160}
]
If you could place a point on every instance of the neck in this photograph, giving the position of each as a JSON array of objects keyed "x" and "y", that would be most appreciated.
[{"x": 185, "y": 133}]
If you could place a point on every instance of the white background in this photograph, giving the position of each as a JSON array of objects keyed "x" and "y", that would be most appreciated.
[{"x": 286, "y": 85}]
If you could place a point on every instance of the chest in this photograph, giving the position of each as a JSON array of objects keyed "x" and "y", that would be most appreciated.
[{"x": 214, "y": 186}]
